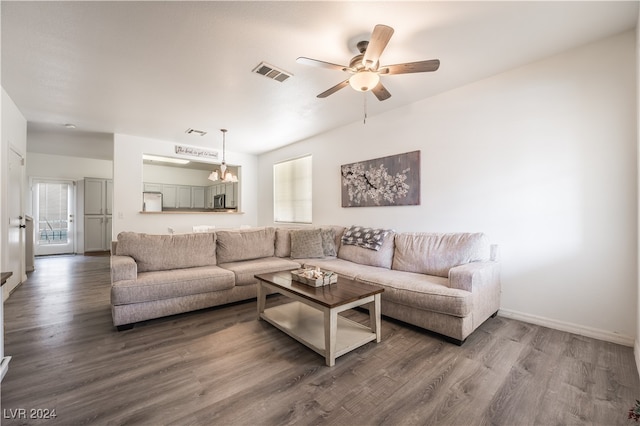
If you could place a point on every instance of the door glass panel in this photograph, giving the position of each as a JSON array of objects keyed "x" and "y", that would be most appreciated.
[{"x": 53, "y": 214}]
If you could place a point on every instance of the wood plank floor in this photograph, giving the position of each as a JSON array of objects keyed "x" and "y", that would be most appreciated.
[{"x": 221, "y": 366}]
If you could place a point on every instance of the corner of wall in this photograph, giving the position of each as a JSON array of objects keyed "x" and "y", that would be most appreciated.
[
  {"x": 636, "y": 347},
  {"x": 636, "y": 354}
]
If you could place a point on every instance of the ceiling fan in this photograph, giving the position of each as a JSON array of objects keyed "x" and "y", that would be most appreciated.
[{"x": 365, "y": 68}]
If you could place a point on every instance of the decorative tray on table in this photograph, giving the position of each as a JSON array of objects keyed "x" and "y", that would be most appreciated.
[{"x": 314, "y": 277}]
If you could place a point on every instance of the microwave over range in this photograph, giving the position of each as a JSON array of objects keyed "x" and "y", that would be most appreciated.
[{"x": 218, "y": 201}]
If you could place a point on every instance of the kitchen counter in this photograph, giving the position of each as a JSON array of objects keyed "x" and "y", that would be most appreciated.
[{"x": 195, "y": 211}]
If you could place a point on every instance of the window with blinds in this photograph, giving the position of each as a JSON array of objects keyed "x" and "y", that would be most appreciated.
[
  {"x": 52, "y": 214},
  {"x": 292, "y": 190}
]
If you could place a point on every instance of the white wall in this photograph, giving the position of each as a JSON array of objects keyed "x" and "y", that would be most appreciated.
[
  {"x": 541, "y": 158},
  {"x": 127, "y": 189},
  {"x": 636, "y": 349},
  {"x": 13, "y": 129},
  {"x": 63, "y": 167},
  {"x": 54, "y": 140}
]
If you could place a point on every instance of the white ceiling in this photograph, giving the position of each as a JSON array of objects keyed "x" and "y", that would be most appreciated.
[{"x": 155, "y": 69}]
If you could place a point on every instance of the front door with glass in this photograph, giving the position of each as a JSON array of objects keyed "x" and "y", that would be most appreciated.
[{"x": 53, "y": 208}]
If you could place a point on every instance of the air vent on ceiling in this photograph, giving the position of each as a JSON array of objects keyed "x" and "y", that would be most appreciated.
[
  {"x": 197, "y": 132},
  {"x": 271, "y": 72}
]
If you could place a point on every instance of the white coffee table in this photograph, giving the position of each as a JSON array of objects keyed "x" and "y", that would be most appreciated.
[{"x": 312, "y": 318}]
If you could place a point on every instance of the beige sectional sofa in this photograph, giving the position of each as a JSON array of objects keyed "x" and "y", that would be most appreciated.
[
  {"x": 446, "y": 283},
  {"x": 158, "y": 275}
]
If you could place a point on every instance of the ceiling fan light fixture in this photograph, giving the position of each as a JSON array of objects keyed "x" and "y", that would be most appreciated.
[
  {"x": 364, "y": 81},
  {"x": 365, "y": 67}
]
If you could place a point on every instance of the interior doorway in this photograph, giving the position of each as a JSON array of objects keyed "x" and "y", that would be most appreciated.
[{"x": 53, "y": 210}]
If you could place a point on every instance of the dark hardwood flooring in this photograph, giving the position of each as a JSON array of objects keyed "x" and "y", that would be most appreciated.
[{"x": 221, "y": 366}]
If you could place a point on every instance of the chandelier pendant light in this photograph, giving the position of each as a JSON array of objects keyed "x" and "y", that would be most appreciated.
[{"x": 223, "y": 175}]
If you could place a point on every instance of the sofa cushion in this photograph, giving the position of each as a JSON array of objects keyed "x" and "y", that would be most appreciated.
[
  {"x": 245, "y": 244},
  {"x": 426, "y": 292},
  {"x": 165, "y": 252},
  {"x": 245, "y": 271},
  {"x": 382, "y": 258},
  {"x": 328, "y": 241},
  {"x": 435, "y": 254},
  {"x": 306, "y": 243},
  {"x": 330, "y": 248},
  {"x": 338, "y": 232},
  {"x": 344, "y": 268},
  {"x": 283, "y": 242},
  {"x": 161, "y": 285},
  {"x": 371, "y": 238}
]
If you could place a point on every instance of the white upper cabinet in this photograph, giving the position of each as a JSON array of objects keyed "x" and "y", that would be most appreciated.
[
  {"x": 184, "y": 197},
  {"x": 98, "y": 196}
]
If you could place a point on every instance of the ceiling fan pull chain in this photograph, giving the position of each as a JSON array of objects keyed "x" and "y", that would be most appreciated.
[{"x": 364, "y": 96}]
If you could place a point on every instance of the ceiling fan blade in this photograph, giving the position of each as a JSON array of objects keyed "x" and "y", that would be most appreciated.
[
  {"x": 334, "y": 89},
  {"x": 381, "y": 92},
  {"x": 379, "y": 38},
  {"x": 411, "y": 67},
  {"x": 320, "y": 64}
]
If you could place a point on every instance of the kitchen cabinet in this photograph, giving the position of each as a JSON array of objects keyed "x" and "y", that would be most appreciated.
[
  {"x": 231, "y": 195},
  {"x": 181, "y": 196},
  {"x": 94, "y": 196},
  {"x": 197, "y": 197},
  {"x": 97, "y": 233},
  {"x": 230, "y": 191},
  {"x": 212, "y": 191},
  {"x": 108, "y": 207},
  {"x": 169, "y": 196},
  {"x": 184, "y": 197},
  {"x": 98, "y": 207},
  {"x": 93, "y": 233}
]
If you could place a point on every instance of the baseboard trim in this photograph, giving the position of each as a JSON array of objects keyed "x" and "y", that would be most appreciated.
[
  {"x": 595, "y": 333},
  {"x": 4, "y": 366}
]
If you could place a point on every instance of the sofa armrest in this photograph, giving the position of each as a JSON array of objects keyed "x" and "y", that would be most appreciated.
[
  {"x": 123, "y": 268},
  {"x": 474, "y": 275}
]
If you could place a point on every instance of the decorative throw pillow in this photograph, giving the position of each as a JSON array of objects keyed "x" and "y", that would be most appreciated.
[
  {"x": 283, "y": 242},
  {"x": 306, "y": 243},
  {"x": 370, "y": 238},
  {"x": 328, "y": 241},
  {"x": 245, "y": 244}
]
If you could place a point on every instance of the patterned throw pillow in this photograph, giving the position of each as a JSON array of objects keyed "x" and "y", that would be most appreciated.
[
  {"x": 370, "y": 238},
  {"x": 306, "y": 243},
  {"x": 328, "y": 241}
]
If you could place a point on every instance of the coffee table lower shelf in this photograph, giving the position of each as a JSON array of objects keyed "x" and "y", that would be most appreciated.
[{"x": 307, "y": 325}]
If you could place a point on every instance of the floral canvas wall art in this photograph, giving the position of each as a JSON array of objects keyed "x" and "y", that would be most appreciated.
[{"x": 386, "y": 181}]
